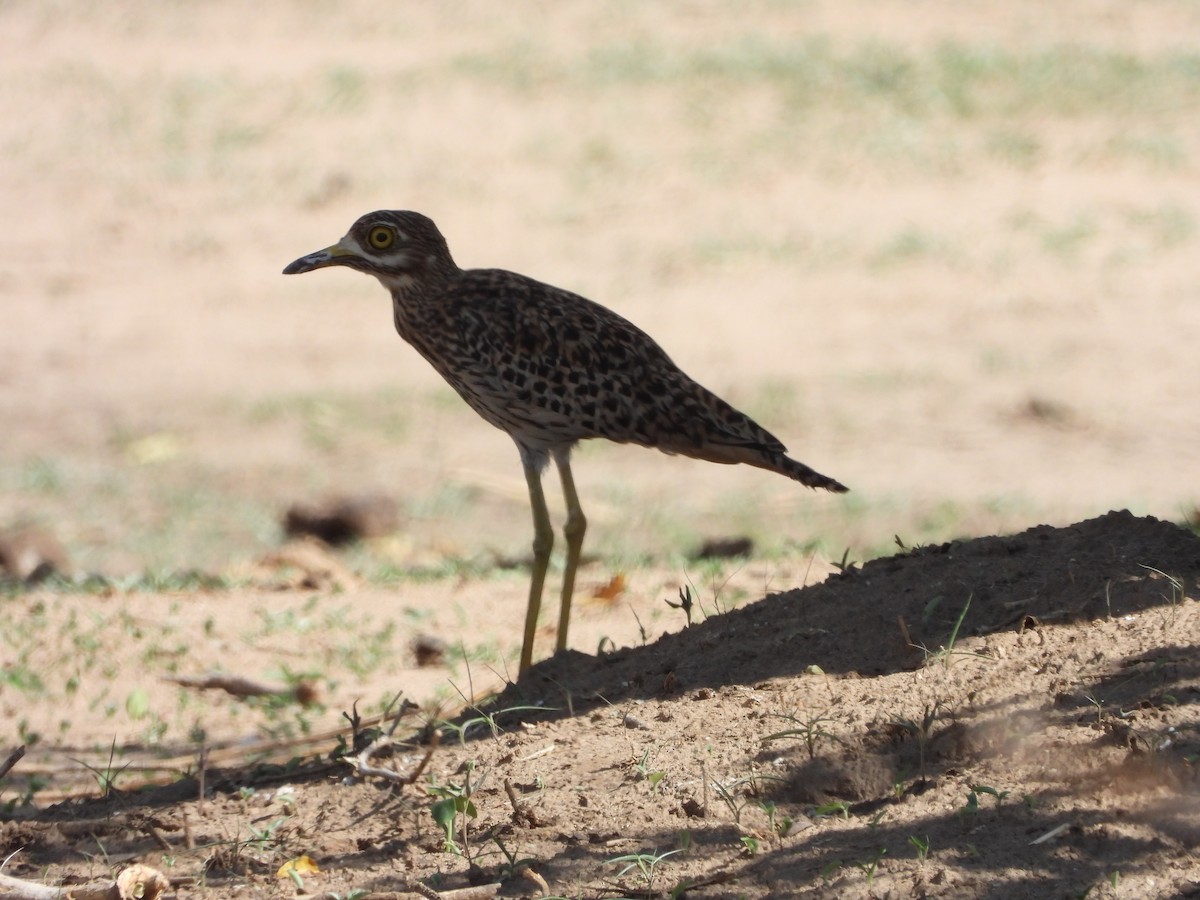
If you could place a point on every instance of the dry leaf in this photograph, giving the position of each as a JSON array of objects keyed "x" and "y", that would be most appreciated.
[
  {"x": 612, "y": 591},
  {"x": 301, "y": 865}
]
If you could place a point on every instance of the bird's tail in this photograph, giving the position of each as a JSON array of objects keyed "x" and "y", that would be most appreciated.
[{"x": 798, "y": 471}]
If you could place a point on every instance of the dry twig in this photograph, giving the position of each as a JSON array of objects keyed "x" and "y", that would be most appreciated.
[
  {"x": 479, "y": 892},
  {"x": 362, "y": 762},
  {"x": 11, "y": 760},
  {"x": 303, "y": 693}
]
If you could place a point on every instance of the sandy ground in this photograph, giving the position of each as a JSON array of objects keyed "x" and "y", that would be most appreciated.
[{"x": 948, "y": 253}]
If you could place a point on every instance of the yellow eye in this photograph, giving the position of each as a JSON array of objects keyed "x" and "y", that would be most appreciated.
[{"x": 381, "y": 237}]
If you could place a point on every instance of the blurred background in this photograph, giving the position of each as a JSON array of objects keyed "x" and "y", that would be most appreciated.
[{"x": 948, "y": 253}]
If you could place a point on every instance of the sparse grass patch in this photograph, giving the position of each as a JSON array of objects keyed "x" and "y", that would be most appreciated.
[
  {"x": 1018, "y": 147},
  {"x": 958, "y": 80},
  {"x": 1167, "y": 225}
]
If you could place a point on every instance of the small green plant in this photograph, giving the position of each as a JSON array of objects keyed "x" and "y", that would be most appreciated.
[
  {"x": 261, "y": 838},
  {"x": 739, "y": 793},
  {"x": 970, "y": 810},
  {"x": 512, "y": 865},
  {"x": 685, "y": 603},
  {"x": 922, "y": 731},
  {"x": 646, "y": 864},
  {"x": 749, "y": 844},
  {"x": 905, "y": 548},
  {"x": 810, "y": 729},
  {"x": 991, "y": 791},
  {"x": 946, "y": 653},
  {"x": 727, "y": 793},
  {"x": 832, "y": 808},
  {"x": 779, "y": 825},
  {"x": 454, "y": 810},
  {"x": 653, "y": 776},
  {"x": 106, "y": 778},
  {"x": 828, "y": 870},
  {"x": 921, "y": 845},
  {"x": 869, "y": 866},
  {"x": 484, "y": 718},
  {"x": 846, "y": 564},
  {"x": 642, "y": 632}
]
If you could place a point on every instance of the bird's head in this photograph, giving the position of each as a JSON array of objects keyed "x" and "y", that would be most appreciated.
[{"x": 398, "y": 247}]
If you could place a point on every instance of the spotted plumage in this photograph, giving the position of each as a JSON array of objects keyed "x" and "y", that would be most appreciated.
[{"x": 548, "y": 367}]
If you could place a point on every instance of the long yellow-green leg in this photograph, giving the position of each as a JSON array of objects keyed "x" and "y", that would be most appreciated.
[
  {"x": 543, "y": 542},
  {"x": 573, "y": 531}
]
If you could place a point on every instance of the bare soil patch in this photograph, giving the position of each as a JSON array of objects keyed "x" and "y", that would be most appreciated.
[{"x": 808, "y": 740}]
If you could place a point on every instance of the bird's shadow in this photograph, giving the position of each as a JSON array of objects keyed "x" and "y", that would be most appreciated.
[{"x": 888, "y": 616}]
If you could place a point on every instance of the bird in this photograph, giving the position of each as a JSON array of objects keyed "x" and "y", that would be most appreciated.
[{"x": 550, "y": 368}]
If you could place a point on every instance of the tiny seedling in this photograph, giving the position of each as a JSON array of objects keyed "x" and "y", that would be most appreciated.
[
  {"x": 261, "y": 838},
  {"x": 946, "y": 653},
  {"x": 969, "y": 810},
  {"x": 828, "y": 870},
  {"x": 106, "y": 778},
  {"x": 1178, "y": 593},
  {"x": 922, "y": 731},
  {"x": 463, "y": 728},
  {"x": 779, "y": 826},
  {"x": 728, "y": 794},
  {"x": 869, "y": 866},
  {"x": 984, "y": 789},
  {"x": 646, "y": 864},
  {"x": 905, "y": 548},
  {"x": 832, "y": 808},
  {"x": 738, "y": 794},
  {"x": 749, "y": 844},
  {"x": 512, "y": 865},
  {"x": 846, "y": 564},
  {"x": 642, "y": 632},
  {"x": 810, "y": 729},
  {"x": 653, "y": 776},
  {"x": 685, "y": 603},
  {"x": 454, "y": 809},
  {"x": 921, "y": 845}
]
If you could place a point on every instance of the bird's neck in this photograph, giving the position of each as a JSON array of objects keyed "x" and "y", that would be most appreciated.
[
  {"x": 410, "y": 287},
  {"x": 414, "y": 298},
  {"x": 401, "y": 285}
]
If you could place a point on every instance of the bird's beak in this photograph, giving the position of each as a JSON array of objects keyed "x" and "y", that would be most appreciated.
[{"x": 330, "y": 256}]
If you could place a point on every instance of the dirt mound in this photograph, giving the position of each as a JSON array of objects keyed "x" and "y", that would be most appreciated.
[{"x": 889, "y": 615}]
